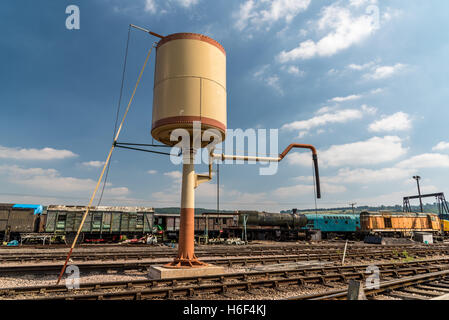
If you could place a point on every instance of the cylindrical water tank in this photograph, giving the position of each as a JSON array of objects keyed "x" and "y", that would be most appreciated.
[{"x": 189, "y": 85}]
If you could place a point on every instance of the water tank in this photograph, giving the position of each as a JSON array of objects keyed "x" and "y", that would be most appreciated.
[{"x": 189, "y": 85}]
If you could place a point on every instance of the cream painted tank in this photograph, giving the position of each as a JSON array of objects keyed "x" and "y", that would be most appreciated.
[{"x": 189, "y": 85}]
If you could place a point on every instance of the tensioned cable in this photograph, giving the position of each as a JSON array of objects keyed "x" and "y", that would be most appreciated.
[
  {"x": 105, "y": 165},
  {"x": 118, "y": 110}
]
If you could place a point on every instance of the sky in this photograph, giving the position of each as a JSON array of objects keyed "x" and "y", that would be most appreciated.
[{"x": 365, "y": 81}]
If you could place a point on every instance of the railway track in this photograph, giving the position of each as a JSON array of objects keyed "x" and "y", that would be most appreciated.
[
  {"x": 11, "y": 250},
  {"x": 245, "y": 261},
  {"x": 428, "y": 286},
  {"x": 225, "y": 283},
  {"x": 306, "y": 253}
]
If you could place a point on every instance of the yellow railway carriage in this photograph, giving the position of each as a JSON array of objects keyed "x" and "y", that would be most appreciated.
[
  {"x": 398, "y": 223},
  {"x": 445, "y": 225}
]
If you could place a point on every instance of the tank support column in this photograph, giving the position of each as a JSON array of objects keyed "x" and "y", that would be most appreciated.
[{"x": 186, "y": 252}]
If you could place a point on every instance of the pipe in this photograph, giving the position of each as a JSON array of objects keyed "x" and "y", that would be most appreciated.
[
  {"x": 278, "y": 159},
  {"x": 201, "y": 178}
]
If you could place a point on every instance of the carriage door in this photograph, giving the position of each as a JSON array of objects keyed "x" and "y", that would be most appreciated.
[
  {"x": 387, "y": 222},
  {"x": 429, "y": 222}
]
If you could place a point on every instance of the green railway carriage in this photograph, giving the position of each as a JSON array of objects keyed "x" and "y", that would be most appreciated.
[{"x": 103, "y": 223}]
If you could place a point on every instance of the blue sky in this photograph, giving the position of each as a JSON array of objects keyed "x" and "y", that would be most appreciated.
[{"x": 365, "y": 81}]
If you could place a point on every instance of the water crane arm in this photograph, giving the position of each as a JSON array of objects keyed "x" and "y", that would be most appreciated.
[
  {"x": 278, "y": 159},
  {"x": 315, "y": 162}
]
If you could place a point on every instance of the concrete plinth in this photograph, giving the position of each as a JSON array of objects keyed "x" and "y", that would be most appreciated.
[{"x": 160, "y": 272}]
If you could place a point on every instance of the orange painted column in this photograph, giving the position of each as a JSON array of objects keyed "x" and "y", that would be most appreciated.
[{"x": 186, "y": 251}]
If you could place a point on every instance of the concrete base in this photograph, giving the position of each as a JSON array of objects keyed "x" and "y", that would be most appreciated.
[{"x": 160, "y": 272}]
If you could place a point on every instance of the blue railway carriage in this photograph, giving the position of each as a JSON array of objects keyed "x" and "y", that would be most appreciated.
[
  {"x": 103, "y": 223},
  {"x": 333, "y": 224}
]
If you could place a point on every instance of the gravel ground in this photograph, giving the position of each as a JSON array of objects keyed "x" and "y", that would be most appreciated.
[
  {"x": 39, "y": 280},
  {"x": 20, "y": 280}
]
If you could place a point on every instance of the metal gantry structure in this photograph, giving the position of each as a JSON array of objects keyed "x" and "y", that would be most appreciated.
[{"x": 443, "y": 208}]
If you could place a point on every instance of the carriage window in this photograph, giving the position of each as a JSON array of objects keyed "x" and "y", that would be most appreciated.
[
  {"x": 387, "y": 222},
  {"x": 346, "y": 222}
]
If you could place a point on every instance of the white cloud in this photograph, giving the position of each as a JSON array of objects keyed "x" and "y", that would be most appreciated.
[
  {"x": 383, "y": 72},
  {"x": 399, "y": 121},
  {"x": 332, "y": 72},
  {"x": 369, "y": 152},
  {"x": 368, "y": 176},
  {"x": 116, "y": 192},
  {"x": 377, "y": 91},
  {"x": 169, "y": 197},
  {"x": 245, "y": 14},
  {"x": 35, "y": 154},
  {"x": 303, "y": 190},
  {"x": 51, "y": 180},
  {"x": 150, "y": 6},
  {"x": 375, "y": 71},
  {"x": 325, "y": 109},
  {"x": 175, "y": 175},
  {"x": 257, "y": 13},
  {"x": 302, "y": 134},
  {"x": 348, "y": 98},
  {"x": 270, "y": 79},
  {"x": 392, "y": 198},
  {"x": 359, "y": 3},
  {"x": 360, "y": 67},
  {"x": 295, "y": 71},
  {"x": 187, "y": 3},
  {"x": 341, "y": 116},
  {"x": 441, "y": 146},
  {"x": 426, "y": 160},
  {"x": 369, "y": 110},
  {"x": 273, "y": 81},
  {"x": 389, "y": 14},
  {"x": 93, "y": 164},
  {"x": 345, "y": 30},
  {"x": 246, "y": 197},
  {"x": 152, "y": 171},
  {"x": 402, "y": 170}
]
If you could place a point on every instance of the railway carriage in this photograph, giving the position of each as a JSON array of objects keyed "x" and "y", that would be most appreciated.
[
  {"x": 18, "y": 219},
  {"x": 103, "y": 223},
  {"x": 215, "y": 224},
  {"x": 398, "y": 223}
]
